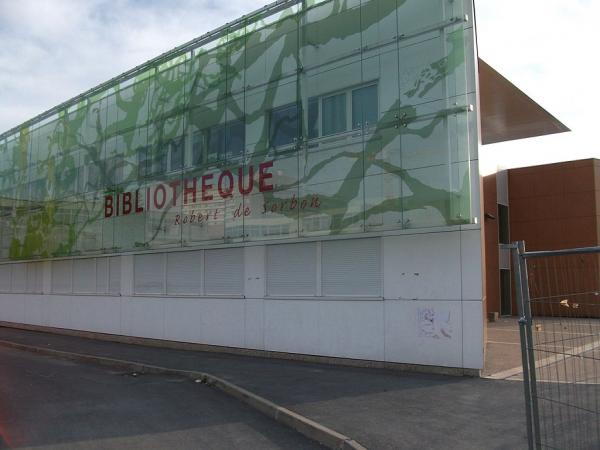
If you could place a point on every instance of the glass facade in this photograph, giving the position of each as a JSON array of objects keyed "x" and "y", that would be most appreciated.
[{"x": 308, "y": 119}]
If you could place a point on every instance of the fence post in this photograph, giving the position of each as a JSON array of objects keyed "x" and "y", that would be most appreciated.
[
  {"x": 516, "y": 260},
  {"x": 526, "y": 314}
]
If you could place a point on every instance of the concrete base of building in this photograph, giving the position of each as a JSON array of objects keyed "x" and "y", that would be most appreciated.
[{"x": 160, "y": 343}]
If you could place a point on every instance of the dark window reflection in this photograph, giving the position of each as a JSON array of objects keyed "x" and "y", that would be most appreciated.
[
  {"x": 143, "y": 162},
  {"x": 177, "y": 153},
  {"x": 159, "y": 163},
  {"x": 236, "y": 138},
  {"x": 364, "y": 106},
  {"x": 334, "y": 114},
  {"x": 283, "y": 125},
  {"x": 215, "y": 143},
  {"x": 313, "y": 117},
  {"x": 197, "y": 148},
  {"x": 93, "y": 178}
]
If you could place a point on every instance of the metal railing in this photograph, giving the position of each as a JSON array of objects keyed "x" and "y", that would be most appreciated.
[{"x": 558, "y": 299}]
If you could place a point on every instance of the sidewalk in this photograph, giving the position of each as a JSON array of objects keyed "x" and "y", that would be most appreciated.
[{"x": 381, "y": 409}]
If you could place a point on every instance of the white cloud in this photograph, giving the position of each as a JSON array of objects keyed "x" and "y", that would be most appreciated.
[{"x": 52, "y": 51}]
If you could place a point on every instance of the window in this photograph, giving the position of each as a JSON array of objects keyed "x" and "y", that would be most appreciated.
[
  {"x": 197, "y": 147},
  {"x": 313, "y": 117},
  {"x": 159, "y": 161},
  {"x": 364, "y": 106},
  {"x": 176, "y": 150},
  {"x": 114, "y": 170},
  {"x": 283, "y": 125},
  {"x": 5, "y": 276},
  {"x": 149, "y": 273},
  {"x": 224, "y": 271},
  {"x": 292, "y": 269},
  {"x": 334, "y": 114},
  {"x": 219, "y": 142},
  {"x": 93, "y": 178},
  {"x": 62, "y": 276},
  {"x": 214, "y": 140},
  {"x": 331, "y": 113},
  {"x": 183, "y": 273},
  {"x": 85, "y": 276},
  {"x": 35, "y": 277},
  {"x": 19, "y": 278},
  {"x": 153, "y": 161},
  {"x": 351, "y": 267},
  {"x": 235, "y": 138},
  {"x": 143, "y": 162}
]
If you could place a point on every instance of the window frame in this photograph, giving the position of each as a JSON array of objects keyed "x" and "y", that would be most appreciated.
[
  {"x": 350, "y": 126},
  {"x": 294, "y": 142},
  {"x": 199, "y": 138}
]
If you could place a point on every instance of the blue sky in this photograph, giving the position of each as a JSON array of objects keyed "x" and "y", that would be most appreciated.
[{"x": 54, "y": 50}]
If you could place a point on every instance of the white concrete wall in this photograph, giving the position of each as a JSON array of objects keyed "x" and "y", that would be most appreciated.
[{"x": 430, "y": 312}]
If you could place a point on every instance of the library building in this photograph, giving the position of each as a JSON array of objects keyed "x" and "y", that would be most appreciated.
[{"x": 302, "y": 182}]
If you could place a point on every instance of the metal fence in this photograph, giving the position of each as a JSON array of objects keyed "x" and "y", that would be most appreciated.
[{"x": 558, "y": 298}]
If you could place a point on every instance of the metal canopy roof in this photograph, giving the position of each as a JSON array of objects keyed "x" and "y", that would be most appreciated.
[{"x": 507, "y": 113}]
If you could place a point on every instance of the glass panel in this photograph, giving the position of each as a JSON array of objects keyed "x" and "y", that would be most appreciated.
[
  {"x": 235, "y": 138},
  {"x": 383, "y": 202},
  {"x": 273, "y": 215},
  {"x": 214, "y": 142},
  {"x": 176, "y": 151},
  {"x": 322, "y": 118},
  {"x": 259, "y": 106},
  {"x": 313, "y": 117},
  {"x": 332, "y": 208},
  {"x": 271, "y": 52},
  {"x": 133, "y": 103},
  {"x": 283, "y": 125},
  {"x": 365, "y": 110},
  {"x": 197, "y": 149},
  {"x": 334, "y": 114},
  {"x": 379, "y": 22},
  {"x": 203, "y": 210},
  {"x": 144, "y": 162},
  {"x": 330, "y": 31}
]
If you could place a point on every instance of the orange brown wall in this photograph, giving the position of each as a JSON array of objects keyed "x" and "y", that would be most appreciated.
[
  {"x": 555, "y": 206},
  {"x": 551, "y": 207}
]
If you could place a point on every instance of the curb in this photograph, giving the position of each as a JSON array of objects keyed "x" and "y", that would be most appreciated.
[
  {"x": 303, "y": 425},
  {"x": 190, "y": 346}
]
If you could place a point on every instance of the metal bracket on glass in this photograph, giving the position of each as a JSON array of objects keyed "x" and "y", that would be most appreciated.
[
  {"x": 404, "y": 120},
  {"x": 438, "y": 26}
]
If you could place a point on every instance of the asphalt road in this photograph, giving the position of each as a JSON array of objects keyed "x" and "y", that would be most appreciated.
[
  {"x": 381, "y": 409},
  {"x": 54, "y": 404}
]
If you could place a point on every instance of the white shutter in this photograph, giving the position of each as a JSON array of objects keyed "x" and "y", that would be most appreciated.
[
  {"x": 224, "y": 271},
  {"x": 352, "y": 267},
  {"x": 61, "y": 276},
  {"x": 114, "y": 275},
  {"x": 39, "y": 278},
  {"x": 34, "y": 277},
  {"x": 84, "y": 276},
  {"x": 101, "y": 275},
  {"x": 19, "y": 277},
  {"x": 150, "y": 273},
  {"x": 292, "y": 269},
  {"x": 5, "y": 274},
  {"x": 184, "y": 272}
]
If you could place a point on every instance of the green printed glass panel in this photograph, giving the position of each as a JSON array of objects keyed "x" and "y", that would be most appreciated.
[{"x": 323, "y": 117}]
